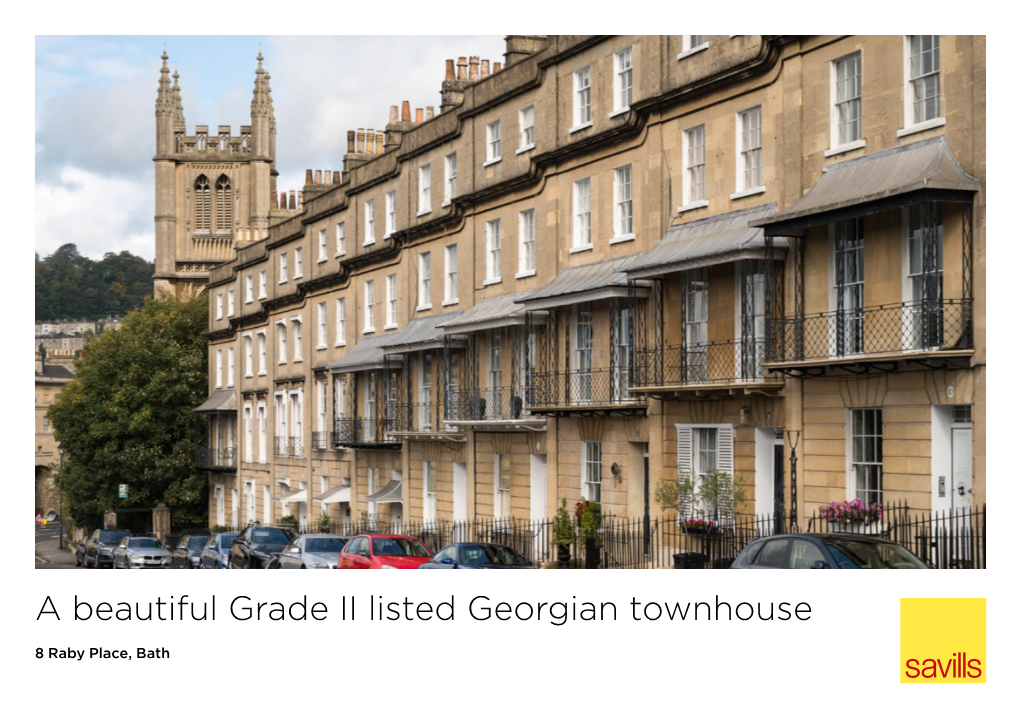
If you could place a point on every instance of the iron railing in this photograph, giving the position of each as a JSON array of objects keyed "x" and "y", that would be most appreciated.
[
  {"x": 717, "y": 362},
  {"x": 418, "y": 417},
  {"x": 365, "y": 431},
  {"x": 486, "y": 404},
  {"x": 216, "y": 458},
  {"x": 320, "y": 440},
  {"x": 923, "y": 325},
  {"x": 295, "y": 446},
  {"x": 578, "y": 388}
]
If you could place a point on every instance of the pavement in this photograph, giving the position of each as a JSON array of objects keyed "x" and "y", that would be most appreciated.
[{"x": 47, "y": 549}]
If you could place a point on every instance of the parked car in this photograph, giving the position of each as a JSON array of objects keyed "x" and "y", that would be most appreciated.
[
  {"x": 216, "y": 551},
  {"x": 141, "y": 552},
  {"x": 384, "y": 551},
  {"x": 188, "y": 551},
  {"x": 258, "y": 546},
  {"x": 79, "y": 553},
  {"x": 313, "y": 550},
  {"x": 826, "y": 550},
  {"x": 99, "y": 547},
  {"x": 477, "y": 555}
]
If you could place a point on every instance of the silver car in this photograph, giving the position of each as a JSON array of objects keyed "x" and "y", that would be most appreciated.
[
  {"x": 141, "y": 552},
  {"x": 314, "y": 550}
]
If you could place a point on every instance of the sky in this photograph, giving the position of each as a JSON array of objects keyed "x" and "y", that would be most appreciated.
[{"x": 95, "y": 114}]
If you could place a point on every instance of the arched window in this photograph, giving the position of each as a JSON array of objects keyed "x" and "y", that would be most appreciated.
[
  {"x": 224, "y": 205},
  {"x": 203, "y": 205}
]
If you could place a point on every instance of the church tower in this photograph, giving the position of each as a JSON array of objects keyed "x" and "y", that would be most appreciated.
[{"x": 213, "y": 190}]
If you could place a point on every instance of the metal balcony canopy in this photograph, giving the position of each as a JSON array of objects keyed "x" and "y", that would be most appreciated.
[
  {"x": 583, "y": 283},
  {"x": 367, "y": 354},
  {"x": 420, "y": 334},
  {"x": 219, "y": 402},
  {"x": 710, "y": 241},
  {"x": 882, "y": 181},
  {"x": 341, "y": 494},
  {"x": 491, "y": 313},
  {"x": 390, "y": 494}
]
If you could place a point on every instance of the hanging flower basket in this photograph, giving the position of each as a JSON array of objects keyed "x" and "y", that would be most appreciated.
[
  {"x": 852, "y": 516},
  {"x": 700, "y": 526}
]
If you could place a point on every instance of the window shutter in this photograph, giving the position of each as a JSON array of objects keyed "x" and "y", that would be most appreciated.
[
  {"x": 685, "y": 467},
  {"x": 724, "y": 456}
]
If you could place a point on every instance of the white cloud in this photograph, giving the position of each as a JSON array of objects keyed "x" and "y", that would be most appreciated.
[{"x": 99, "y": 214}]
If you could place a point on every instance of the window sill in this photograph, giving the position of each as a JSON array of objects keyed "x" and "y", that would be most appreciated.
[
  {"x": 493, "y": 161},
  {"x": 340, "y": 255},
  {"x": 426, "y": 211},
  {"x": 262, "y": 373},
  {"x": 692, "y": 51},
  {"x": 621, "y": 239},
  {"x": 299, "y": 277},
  {"x": 451, "y": 301},
  {"x": 387, "y": 236},
  {"x": 620, "y": 111},
  {"x": 248, "y": 375},
  {"x": 692, "y": 206},
  {"x": 446, "y": 204},
  {"x": 249, "y": 301},
  {"x": 492, "y": 281},
  {"x": 420, "y": 308},
  {"x": 921, "y": 127},
  {"x": 845, "y": 148},
  {"x": 367, "y": 331},
  {"x": 263, "y": 297},
  {"x": 281, "y": 282},
  {"x": 390, "y": 326},
  {"x": 321, "y": 346},
  {"x": 342, "y": 344},
  {"x": 525, "y": 148},
  {"x": 524, "y": 274},
  {"x": 580, "y": 248},
  {"x": 219, "y": 317},
  {"x": 368, "y": 243},
  {"x": 578, "y": 128},
  {"x": 322, "y": 259},
  {"x": 746, "y": 193}
]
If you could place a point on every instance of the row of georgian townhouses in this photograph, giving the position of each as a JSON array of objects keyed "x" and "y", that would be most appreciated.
[{"x": 609, "y": 261}]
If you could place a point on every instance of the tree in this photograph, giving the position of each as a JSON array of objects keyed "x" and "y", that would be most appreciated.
[
  {"x": 69, "y": 285},
  {"x": 127, "y": 415}
]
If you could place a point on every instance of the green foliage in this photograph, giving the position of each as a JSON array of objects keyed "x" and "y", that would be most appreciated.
[
  {"x": 289, "y": 521},
  {"x": 218, "y": 529},
  {"x": 589, "y": 518},
  {"x": 563, "y": 527},
  {"x": 69, "y": 285},
  {"x": 127, "y": 415}
]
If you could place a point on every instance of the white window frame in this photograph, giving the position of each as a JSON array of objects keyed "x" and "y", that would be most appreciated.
[
  {"x": 320, "y": 405},
  {"x": 835, "y": 145},
  {"x": 262, "y": 349},
  {"x": 424, "y": 190},
  {"x": 428, "y": 493},
  {"x": 853, "y": 463},
  {"x": 230, "y": 303},
  {"x": 910, "y": 122},
  {"x": 298, "y": 325},
  {"x": 230, "y": 367},
  {"x": 262, "y": 285},
  {"x": 249, "y": 289},
  {"x": 249, "y": 359},
  {"x": 299, "y": 268},
  {"x": 493, "y": 143},
  {"x": 391, "y": 302},
  {"x": 369, "y": 307},
  {"x": 526, "y": 126},
  {"x": 623, "y": 203},
  {"x": 341, "y": 238},
  {"x": 283, "y": 268},
  {"x": 502, "y": 489},
  {"x": 323, "y": 340},
  {"x": 219, "y": 367},
  {"x": 591, "y": 471},
  {"x": 450, "y": 175},
  {"x": 688, "y": 46},
  {"x": 391, "y": 214},
  {"x": 369, "y": 222},
  {"x": 248, "y": 433},
  {"x": 262, "y": 428},
  {"x": 690, "y": 202},
  {"x": 493, "y": 252},
  {"x": 219, "y": 306},
  {"x": 623, "y": 81},
  {"x": 281, "y": 342},
  {"x": 450, "y": 275},
  {"x": 341, "y": 322},
  {"x": 745, "y": 154},
  {"x": 582, "y": 99},
  {"x": 526, "y": 243},
  {"x": 424, "y": 281},
  {"x": 581, "y": 227},
  {"x": 689, "y": 456},
  {"x": 323, "y": 245}
]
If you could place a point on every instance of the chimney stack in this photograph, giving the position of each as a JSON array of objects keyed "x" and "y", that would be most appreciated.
[
  {"x": 518, "y": 47},
  {"x": 380, "y": 143}
]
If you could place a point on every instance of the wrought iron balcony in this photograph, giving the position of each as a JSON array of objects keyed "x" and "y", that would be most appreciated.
[
  {"x": 599, "y": 387},
  {"x": 213, "y": 459},
  {"x": 320, "y": 440},
  {"x": 418, "y": 417},
  {"x": 896, "y": 328},
  {"x": 295, "y": 446},
  {"x": 728, "y": 362},
  {"x": 486, "y": 404},
  {"x": 280, "y": 445},
  {"x": 361, "y": 432}
]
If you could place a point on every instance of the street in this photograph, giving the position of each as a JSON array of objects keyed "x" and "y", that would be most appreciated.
[{"x": 47, "y": 548}]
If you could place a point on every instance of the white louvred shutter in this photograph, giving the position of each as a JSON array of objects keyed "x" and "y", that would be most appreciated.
[
  {"x": 724, "y": 460},
  {"x": 685, "y": 467}
]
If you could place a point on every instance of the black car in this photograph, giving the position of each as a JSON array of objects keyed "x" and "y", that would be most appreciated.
[
  {"x": 188, "y": 552},
  {"x": 477, "y": 555},
  {"x": 258, "y": 546},
  {"x": 79, "y": 553},
  {"x": 826, "y": 550},
  {"x": 99, "y": 547}
]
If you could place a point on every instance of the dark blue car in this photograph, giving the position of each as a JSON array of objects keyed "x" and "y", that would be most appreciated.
[
  {"x": 825, "y": 550},
  {"x": 477, "y": 555}
]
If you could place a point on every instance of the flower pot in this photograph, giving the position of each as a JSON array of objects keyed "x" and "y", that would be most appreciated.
[
  {"x": 865, "y": 528},
  {"x": 591, "y": 553},
  {"x": 563, "y": 554},
  {"x": 701, "y": 530}
]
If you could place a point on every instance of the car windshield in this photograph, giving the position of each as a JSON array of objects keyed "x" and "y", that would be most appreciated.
[
  {"x": 144, "y": 543},
  {"x": 112, "y": 536},
  {"x": 324, "y": 545},
  {"x": 195, "y": 543},
  {"x": 226, "y": 539},
  {"x": 270, "y": 535},
  {"x": 408, "y": 547},
  {"x": 473, "y": 555},
  {"x": 868, "y": 554}
]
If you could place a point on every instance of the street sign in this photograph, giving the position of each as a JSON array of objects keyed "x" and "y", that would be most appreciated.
[{"x": 123, "y": 490}]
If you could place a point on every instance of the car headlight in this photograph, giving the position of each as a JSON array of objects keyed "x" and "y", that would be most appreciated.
[
  {"x": 388, "y": 567},
  {"x": 260, "y": 553}
]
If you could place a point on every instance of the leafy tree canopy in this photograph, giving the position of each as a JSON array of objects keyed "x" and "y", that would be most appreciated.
[
  {"x": 69, "y": 285},
  {"x": 127, "y": 415}
]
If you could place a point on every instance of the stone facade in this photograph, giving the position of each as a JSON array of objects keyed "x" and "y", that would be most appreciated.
[
  {"x": 49, "y": 381},
  {"x": 601, "y": 175}
]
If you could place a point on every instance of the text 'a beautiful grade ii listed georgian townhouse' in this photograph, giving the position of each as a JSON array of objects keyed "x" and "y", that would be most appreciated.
[{"x": 601, "y": 262}]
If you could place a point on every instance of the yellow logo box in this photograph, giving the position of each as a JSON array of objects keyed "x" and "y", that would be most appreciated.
[{"x": 942, "y": 640}]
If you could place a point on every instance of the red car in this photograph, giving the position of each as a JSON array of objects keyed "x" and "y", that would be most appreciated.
[{"x": 374, "y": 550}]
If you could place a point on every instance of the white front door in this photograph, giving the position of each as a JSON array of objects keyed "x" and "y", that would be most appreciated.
[
  {"x": 962, "y": 486},
  {"x": 539, "y": 510}
]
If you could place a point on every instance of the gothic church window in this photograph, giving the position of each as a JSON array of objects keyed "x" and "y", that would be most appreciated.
[
  {"x": 224, "y": 205},
  {"x": 203, "y": 205}
]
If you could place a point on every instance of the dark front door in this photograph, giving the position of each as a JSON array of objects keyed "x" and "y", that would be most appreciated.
[{"x": 779, "y": 487}]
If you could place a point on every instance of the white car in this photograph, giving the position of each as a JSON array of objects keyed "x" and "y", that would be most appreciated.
[{"x": 141, "y": 552}]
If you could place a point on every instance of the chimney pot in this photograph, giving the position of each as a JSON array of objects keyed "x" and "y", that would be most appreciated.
[
  {"x": 360, "y": 145},
  {"x": 300, "y": 199},
  {"x": 336, "y": 177},
  {"x": 283, "y": 200},
  {"x": 450, "y": 73},
  {"x": 419, "y": 115},
  {"x": 350, "y": 141},
  {"x": 308, "y": 176},
  {"x": 496, "y": 67},
  {"x": 430, "y": 112},
  {"x": 380, "y": 141},
  {"x": 462, "y": 68},
  {"x": 405, "y": 111},
  {"x": 274, "y": 202},
  {"x": 393, "y": 114},
  {"x": 318, "y": 177},
  {"x": 485, "y": 68},
  {"x": 293, "y": 201},
  {"x": 473, "y": 68}
]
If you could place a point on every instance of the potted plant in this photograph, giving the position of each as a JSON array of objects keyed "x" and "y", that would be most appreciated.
[
  {"x": 324, "y": 523},
  {"x": 518, "y": 404},
  {"x": 289, "y": 521},
  {"x": 700, "y": 526},
  {"x": 218, "y": 529},
  {"x": 853, "y": 516},
  {"x": 563, "y": 534},
  {"x": 588, "y": 515}
]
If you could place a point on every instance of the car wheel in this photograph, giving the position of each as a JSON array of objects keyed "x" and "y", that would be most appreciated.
[{"x": 304, "y": 567}]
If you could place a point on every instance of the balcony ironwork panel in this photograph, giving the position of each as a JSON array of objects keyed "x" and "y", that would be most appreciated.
[{"x": 216, "y": 458}]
